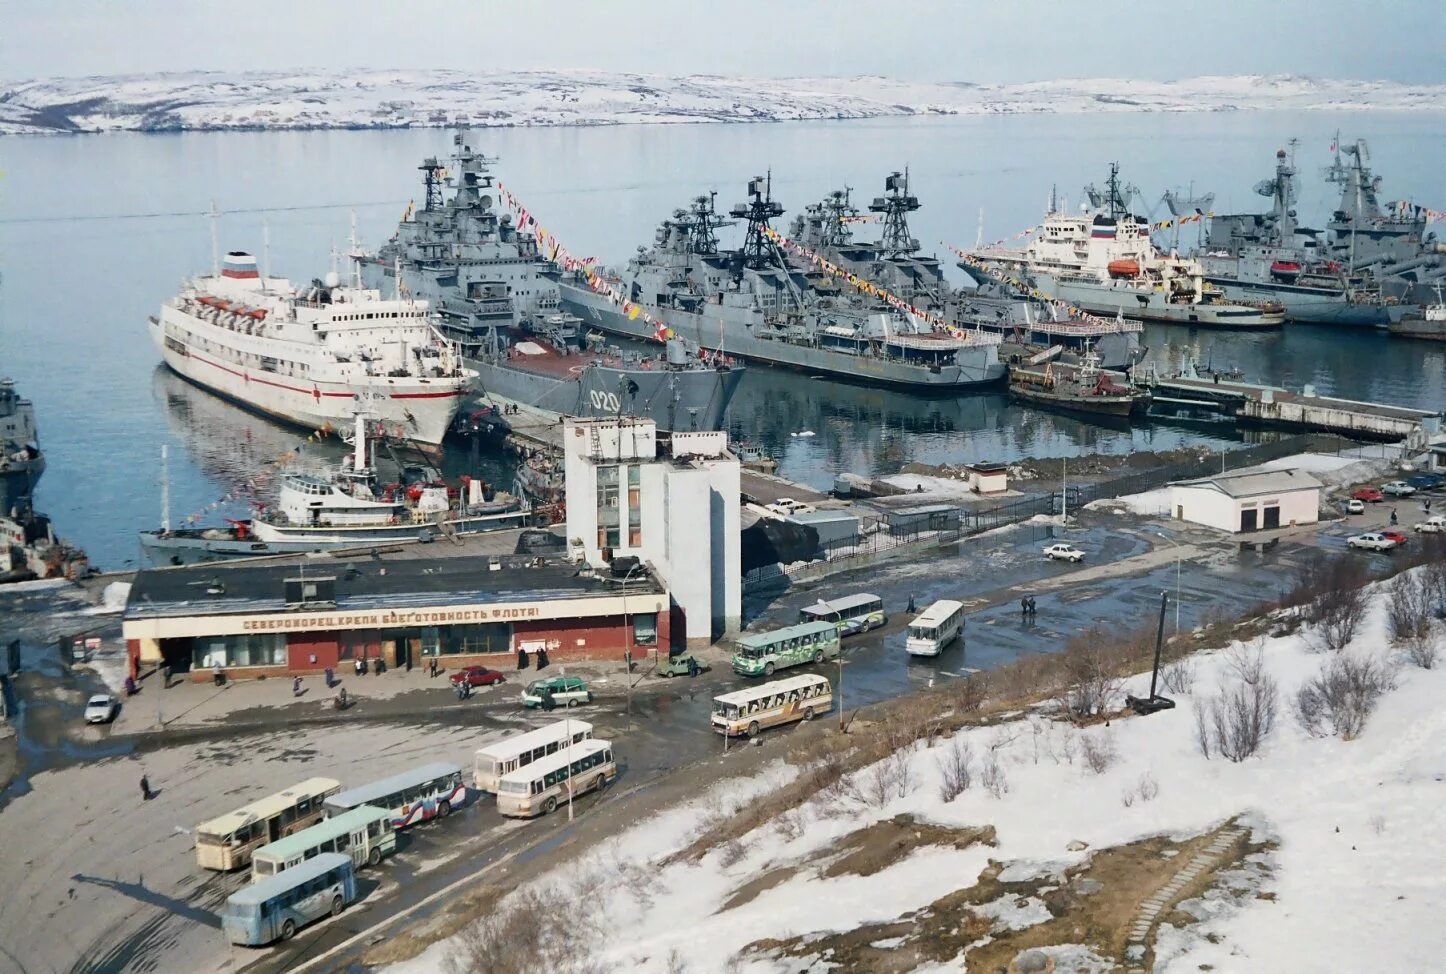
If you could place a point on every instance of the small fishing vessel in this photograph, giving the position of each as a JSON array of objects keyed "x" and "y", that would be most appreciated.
[
  {"x": 1429, "y": 322},
  {"x": 349, "y": 508},
  {"x": 1081, "y": 388}
]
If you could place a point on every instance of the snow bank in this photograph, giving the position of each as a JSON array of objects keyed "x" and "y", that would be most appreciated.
[
  {"x": 947, "y": 486},
  {"x": 1147, "y": 504},
  {"x": 1358, "y": 824}
]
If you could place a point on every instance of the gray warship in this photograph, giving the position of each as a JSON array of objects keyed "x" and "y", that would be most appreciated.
[
  {"x": 896, "y": 262},
  {"x": 21, "y": 462},
  {"x": 497, "y": 295},
  {"x": 753, "y": 304},
  {"x": 1271, "y": 257}
]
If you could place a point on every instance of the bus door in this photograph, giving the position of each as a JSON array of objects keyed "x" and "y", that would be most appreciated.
[{"x": 273, "y": 828}]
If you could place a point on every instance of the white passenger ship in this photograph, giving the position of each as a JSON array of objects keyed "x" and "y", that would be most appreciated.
[
  {"x": 1106, "y": 263},
  {"x": 313, "y": 356}
]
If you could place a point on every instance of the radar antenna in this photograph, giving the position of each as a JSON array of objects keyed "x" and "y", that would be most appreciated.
[
  {"x": 896, "y": 206},
  {"x": 757, "y": 250}
]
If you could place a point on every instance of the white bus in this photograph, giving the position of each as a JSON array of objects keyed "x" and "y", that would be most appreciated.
[
  {"x": 365, "y": 834},
  {"x": 541, "y": 786},
  {"x": 780, "y": 702},
  {"x": 509, "y": 754},
  {"x": 938, "y": 626},
  {"x": 413, "y": 796},
  {"x": 227, "y": 842}
]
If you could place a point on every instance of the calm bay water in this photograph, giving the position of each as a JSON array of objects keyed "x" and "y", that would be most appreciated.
[{"x": 95, "y": 231}]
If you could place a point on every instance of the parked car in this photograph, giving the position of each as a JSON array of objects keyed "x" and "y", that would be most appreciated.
[
  {"x": 477, "y": 676},
  {"x": 1396, "y": 535},
  {"x": 1426, "y": 481},
  {"x": 1397, "y": 488},
  {"x": 568, "y": 691},
  {"x": 1371, "y": 542},
  {"x": 1063, "y": 552},
  {"x": 684, "y": 664},
  {"x": 785, "y": 506},
  {"x": 1371, "y": 495},
  {"x": 1354, "y": 506},
  {"x": 1436, "y": 524},
  {"x": 101, "y": 709}
]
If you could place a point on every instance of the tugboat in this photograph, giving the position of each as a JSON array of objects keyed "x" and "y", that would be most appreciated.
[
  {"x": 348, "y": 509},
  {"x": 1085, "y": 388},
  {"x": 496, "y": 293},
  {"x": 21, "y": 462},
  {"x": 1428, "y": 323}
]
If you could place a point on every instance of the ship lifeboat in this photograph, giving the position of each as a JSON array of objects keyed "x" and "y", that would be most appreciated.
[
  {"x": 414, "y": 493},
  {"x": 1285, "y": 270},
  {"x": 1124, "y": 268}
]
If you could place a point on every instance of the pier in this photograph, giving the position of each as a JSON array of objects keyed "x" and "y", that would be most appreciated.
[{"x": 1265, "y": 405}]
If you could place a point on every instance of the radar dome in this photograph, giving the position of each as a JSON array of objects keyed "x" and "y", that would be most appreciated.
[{"x": 333, "y": 279}]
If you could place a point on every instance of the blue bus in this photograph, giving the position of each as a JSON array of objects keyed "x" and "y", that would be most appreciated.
[{"x": 277, "y": 907}]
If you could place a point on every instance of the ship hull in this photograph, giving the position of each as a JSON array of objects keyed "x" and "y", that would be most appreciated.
[
  {"x": 17, "y": 483},
  {"x": 975, "y": 366},
  {"x": 1095, "y": 405},
  {"x": 1311, "y": 306},
  {"x": 1411, "y": 327},
  {"x": 1105, "y": 299},
  {"x": 422, "y": 410},
  {"x": 678, "y": 401}
]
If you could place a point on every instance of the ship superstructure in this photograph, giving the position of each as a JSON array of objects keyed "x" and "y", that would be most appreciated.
[
  {"x": 753, "y": 303},
  {"x": 21, "y": 461},
  {"x": 497, "y": 294},
  {"x": 312, "y": 355}
]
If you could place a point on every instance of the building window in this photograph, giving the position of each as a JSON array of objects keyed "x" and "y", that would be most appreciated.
[
  {"x": 608, "y": 521},
  {"x": 635, "y": 516},
  {"x": 483, "y": 637},
  {"x": 645, "y": 629},
  {"x": 258, "y": 650}
]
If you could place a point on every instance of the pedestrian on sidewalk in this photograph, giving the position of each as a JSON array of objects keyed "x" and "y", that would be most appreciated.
[
  {"x": 1393, "y": 517},
  {"x": 296, "y": 686},
  {"x": 165, "y": 669},
  {"x": 911, "y": 610},
  {"x": 359, "y": 666},
  {"x": 521, "y": 658},
  {"x": 431, "y": 667},
  {"x": 145, "y": 788},
  {"x": 1024, "y": 607}
]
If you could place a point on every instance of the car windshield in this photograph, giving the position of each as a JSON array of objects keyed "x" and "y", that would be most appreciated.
[
  {"x": 99, "y": 701},
  {"x": 536, "y": 687}
]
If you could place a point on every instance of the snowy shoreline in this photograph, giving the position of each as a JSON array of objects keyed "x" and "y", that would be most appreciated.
[{"x": 380, "y": 99}]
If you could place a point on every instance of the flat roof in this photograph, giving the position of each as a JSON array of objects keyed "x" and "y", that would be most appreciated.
[
  {"x": 327, "y": 828},
  {"x": 769, "y": 689},
  {"x": 363, "y": 583},
  {"x": 270, "y": 805},
  {"x": 390, "y": 786},
  {"x": 562, "y": 757},
  {"x": 841, "y": 604},
  {"x": 511, "y": 747},
  {"x": 1254, "y": 481},
  {"x": 258, "y": 893},
  {"x": 787, "y": 632},
  {"x": 937, "y": 613}
]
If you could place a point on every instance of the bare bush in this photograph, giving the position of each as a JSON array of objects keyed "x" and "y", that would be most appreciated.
[
  {"x": 1341, "y": 605},
  {"x": 731, "y": 853},
  {"x": 675, "y": 963},
  {"x": 1424, "y": 652},
  {"x": 892, "y": 777},
  {"x": 1098, "y": 751},
  {"x": 1378, "y": 824},
  {"x": 1247, "y": 661},
  {"x": 1145, "y": 790},
  {"x": 1179, "y": 677},
  {"x": 790, "y": 824},
  {"x": 1203, "y": 740},
  {"x": 534, "y": 930},
  {"x": 1409, "y": 612},
  {"x": 992, "y": 776},
  {"x": 1433, "y": 579},
  {"x": 1239, "y": 717},
  {"x": 1341, "y": 697},
  {"x": 955, "y": 769},
  {"x": 1092, "y": 682}
]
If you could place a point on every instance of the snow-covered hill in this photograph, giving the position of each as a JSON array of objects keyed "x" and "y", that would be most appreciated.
[{"x": 398, "y": 99}]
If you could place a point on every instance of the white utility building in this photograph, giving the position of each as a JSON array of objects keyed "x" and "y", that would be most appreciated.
[
  {"x": 670, "y": 501},
  {"x": 1249, "y": 499}
]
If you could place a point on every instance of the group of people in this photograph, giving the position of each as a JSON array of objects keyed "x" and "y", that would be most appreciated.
[{"x": 361, "y": 665}]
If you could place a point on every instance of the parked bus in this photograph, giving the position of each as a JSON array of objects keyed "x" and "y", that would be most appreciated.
[
  {"x": 277, "y": 907},
  {"x": 938, "y": 626},
  {"x": 366, "y": 834},
  {"x": 780, "y": 702},
  {"x": 509, "y": 754},
  {"x": 413, "y": 796},
  {"x": 761, "y": 653},
  {"x": 853, "y": 613},
  {"x": 544, "y": 784},
  {"x": 227, "y": 842}
]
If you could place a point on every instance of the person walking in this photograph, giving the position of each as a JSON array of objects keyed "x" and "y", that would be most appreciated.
[
  {"x": 296, "y": 686},
  {"x": 1024, "y": 607},
  {"x": 165, "y": 669},
  {"x": 145, "y": 788},
  {"x": 911, "y": 610},
  {"x": 1393, "y": 517},
  {"x": 431, "y": 667}
]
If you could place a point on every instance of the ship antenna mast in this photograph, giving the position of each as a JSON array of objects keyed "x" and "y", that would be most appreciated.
[
  {"x": 757, "y": 249},
  {"x": 265, "y": 251},
  {"x": 896, "y": 207},
  {"x": 355, "y": 254},
  {"x": 215, "y": 242}
]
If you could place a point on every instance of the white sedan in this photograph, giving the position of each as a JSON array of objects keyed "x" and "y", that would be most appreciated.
[
  {"x": 785, "y": 506},
  {"x": 101, "y": 709},
  {"x": 1354, "y": 506},
  {"x": 1432, "y": 525},
  {"x": 1397, "y": 488},
  {"x": 1063, "y": 552},
  {"x": 1371, "y": 542}
]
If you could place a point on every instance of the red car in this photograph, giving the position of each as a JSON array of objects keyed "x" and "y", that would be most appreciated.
[
  {"x": 1372, "y": 495},
  {"x": 477, "y": 676},
  {"x": 1397, "y": 536}
]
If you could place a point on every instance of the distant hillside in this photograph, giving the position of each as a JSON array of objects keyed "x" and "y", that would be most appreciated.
[{"x": 403, "y": 99}]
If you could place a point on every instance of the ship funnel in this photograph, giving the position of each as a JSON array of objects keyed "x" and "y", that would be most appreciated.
[{"x": 240, "y": 266}]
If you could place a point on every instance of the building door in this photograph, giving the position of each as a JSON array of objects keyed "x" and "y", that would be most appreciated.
[
  {"x": 1249, "y": 519},
  {"x": 1272, "y": 518}
]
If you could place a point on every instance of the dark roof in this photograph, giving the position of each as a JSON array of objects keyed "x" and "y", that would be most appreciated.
[{"x": 364, "y": 583}]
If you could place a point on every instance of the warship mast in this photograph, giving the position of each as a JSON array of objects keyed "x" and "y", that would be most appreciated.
[{"x": 894, "y": 240}]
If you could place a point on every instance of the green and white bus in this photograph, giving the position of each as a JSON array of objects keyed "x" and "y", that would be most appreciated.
[
  {"x": 853, "y": 613},
  {"x": 808, "y": 642},
  {"x": 366, "y": 834}
]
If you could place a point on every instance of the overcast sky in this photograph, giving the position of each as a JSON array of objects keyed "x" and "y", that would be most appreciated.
[{"x": 964, "y": 40}]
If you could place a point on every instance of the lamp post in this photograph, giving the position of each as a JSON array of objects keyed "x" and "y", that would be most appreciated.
[
  {"x": 1178, "y": 548},
  {"x": 628, "y": 643},
  {"x": 838, "y": 621}
]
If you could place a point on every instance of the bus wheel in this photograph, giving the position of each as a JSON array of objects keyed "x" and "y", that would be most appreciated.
[
  {"x": 374, "y": 857},
  {"x": 549, "y": 805},
  {"x": 444, "y": 809},
  {"x": 753, "y": 729},
  {"x": 808, "y": 713},
  {"x": 818, "y": 656},
  {"x": 600, "y": 782},
  {"x": 288, "y": 929},
  {"x": 336, "y": 906},
  {"x": 767, "y": 669}
]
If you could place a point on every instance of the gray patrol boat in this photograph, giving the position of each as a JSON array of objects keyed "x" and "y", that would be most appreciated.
[
  {"x": 1270, "y": 257},
  {"x": 21, "y": 462},
  {"x": 497, "y": 295},
  {"x": 754, "y": 304},
  {"x": 896, "y": 262}
]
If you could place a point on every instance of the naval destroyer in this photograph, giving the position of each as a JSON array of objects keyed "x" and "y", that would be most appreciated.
[
  {"x": 1105, "y": 262},
  {"x": 753, "y": 304},
  {"x": 497, "y": 295},
  {"x": 896, "y": 262},
  {"x": 21, "y": 462},
  {"x": 1270, "y": 257}
]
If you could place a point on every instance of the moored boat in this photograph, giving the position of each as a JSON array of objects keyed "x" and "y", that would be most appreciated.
[{"x": 1083, "y": 388}]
